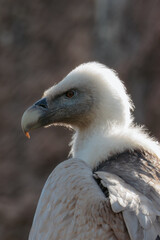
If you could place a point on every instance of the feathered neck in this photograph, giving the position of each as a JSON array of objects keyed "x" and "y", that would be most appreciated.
[{"x": 95, "y": 145}]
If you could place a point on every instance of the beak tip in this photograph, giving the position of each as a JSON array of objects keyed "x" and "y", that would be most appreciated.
[{"x": 27, "y": 135}]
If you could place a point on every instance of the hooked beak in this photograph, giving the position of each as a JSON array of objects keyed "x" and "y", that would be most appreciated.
[{"x": 35, "y": 116}]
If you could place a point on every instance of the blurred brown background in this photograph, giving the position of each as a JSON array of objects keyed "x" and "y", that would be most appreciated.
[{"x": 40, "y": 42}]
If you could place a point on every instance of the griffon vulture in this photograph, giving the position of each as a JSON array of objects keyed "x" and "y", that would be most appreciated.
[{"x": 110, "y": 188}]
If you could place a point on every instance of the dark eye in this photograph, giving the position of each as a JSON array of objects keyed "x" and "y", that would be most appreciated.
[{"x": 70, "y": 93}]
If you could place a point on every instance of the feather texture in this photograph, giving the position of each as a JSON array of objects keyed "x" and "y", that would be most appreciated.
[
  {"x": 72, "y": 206},
  {"x": 137, "y": 197}
]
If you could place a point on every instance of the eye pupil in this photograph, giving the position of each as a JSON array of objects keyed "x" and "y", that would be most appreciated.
[{"x": 70, "y": 94}]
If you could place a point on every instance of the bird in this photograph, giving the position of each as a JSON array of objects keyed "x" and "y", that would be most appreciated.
[{"x": 109, "y": 187}]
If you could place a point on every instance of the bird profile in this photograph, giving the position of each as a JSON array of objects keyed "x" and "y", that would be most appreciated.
[{"x": 110, "y": 186}]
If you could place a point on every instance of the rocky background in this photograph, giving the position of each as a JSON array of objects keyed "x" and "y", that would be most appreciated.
[{"x": 40, "y": 42}]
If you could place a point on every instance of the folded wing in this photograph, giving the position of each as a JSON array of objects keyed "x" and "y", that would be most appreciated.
[{"x": 141, "y": 215}]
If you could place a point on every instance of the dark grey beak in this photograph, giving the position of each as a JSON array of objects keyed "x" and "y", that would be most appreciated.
[{"x": 34, "y": 116}]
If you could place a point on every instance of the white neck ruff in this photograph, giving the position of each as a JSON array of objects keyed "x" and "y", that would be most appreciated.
[{"x": 95, "y": 146}]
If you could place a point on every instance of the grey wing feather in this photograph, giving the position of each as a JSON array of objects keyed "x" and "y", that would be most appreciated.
[{"x": 140, "y": 214}]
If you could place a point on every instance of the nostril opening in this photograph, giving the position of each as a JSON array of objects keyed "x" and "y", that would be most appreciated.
[{"x": 42, "y": 103}]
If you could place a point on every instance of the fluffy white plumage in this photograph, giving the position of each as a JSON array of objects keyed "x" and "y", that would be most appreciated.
[
  {"x": 107, "y": 146},
  {"x": 112, "y": 129}
]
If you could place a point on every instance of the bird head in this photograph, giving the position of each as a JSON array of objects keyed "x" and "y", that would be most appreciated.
[{"x": 91, "y": 94}]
